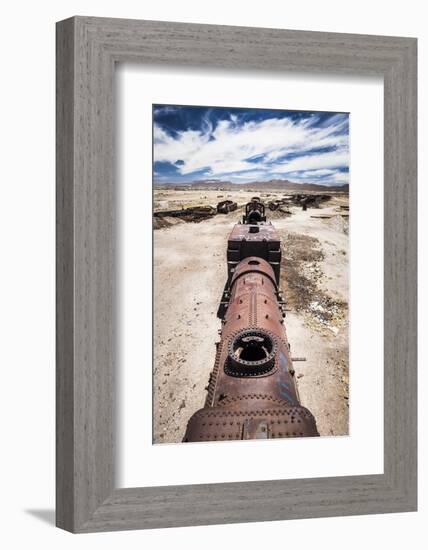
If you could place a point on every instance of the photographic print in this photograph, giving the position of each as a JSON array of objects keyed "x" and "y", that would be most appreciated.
[{"x": 250, "y": 273}]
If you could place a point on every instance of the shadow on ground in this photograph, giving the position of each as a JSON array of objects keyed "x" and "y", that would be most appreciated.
[{"x": 43, "y": 514}]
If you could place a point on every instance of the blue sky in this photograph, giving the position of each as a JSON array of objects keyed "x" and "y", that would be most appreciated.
[{"x": 245, "y": 145}]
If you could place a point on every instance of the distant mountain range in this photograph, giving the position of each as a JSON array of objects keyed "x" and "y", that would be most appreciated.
[{"x": 271, "y": 185}]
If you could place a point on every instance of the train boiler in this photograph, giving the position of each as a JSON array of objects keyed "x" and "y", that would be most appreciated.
[{"x": 252, "y": 391}]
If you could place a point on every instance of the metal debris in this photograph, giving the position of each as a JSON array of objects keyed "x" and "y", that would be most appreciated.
[{"x": 224, "y": 207}]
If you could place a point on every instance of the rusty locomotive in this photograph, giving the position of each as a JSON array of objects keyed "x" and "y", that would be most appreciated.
[{"x": 252, "y": 392}]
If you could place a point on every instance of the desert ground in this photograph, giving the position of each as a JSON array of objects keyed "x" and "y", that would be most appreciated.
[{"x": 189, "y": 276}]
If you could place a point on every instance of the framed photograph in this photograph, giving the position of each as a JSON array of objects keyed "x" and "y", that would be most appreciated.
[
  {"x": 292, "y": 287},
  {"x": 236, "y": 274}
]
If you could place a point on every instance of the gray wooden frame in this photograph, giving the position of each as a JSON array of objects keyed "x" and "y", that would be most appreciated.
[{"x": 87, "y": 50}]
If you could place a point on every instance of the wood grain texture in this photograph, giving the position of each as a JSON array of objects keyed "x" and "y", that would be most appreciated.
[
  {"x": 87, "y": 49},
  {"x": 64, "y": 277}
]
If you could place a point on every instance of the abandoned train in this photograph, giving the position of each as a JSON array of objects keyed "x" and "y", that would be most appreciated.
[{"x": 252, "y": 392}]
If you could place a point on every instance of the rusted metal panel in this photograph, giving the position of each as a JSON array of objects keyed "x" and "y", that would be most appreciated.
[
  {"x": 222, "y": 424},
  {"x": 254, "y": 211},
  {"x": 260, "y": 240},
  {"x": 195, "y": 213},
  {"x": 252, "y": 392},
  {"x": 224, "y": 207}
]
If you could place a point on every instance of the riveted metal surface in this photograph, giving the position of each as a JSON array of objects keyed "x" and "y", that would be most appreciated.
[
  {"x": 252, "y": 392},
  {"x": 243, "y": 242},
  {"x": 252, "y": 265},
  {"x": 222, "y": 424},
  {"x": 257, "y": 363}
]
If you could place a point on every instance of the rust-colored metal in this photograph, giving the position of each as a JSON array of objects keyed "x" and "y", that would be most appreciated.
[
  {"x": 304, "y": 200},
  {"x": 274, "y": 205},
  {"x": 260, "y": 240},
  {"x": 254, "y": 211},
  {"x": 252, "y": 392},
  {"x": 195, "y": 213},
  {"x": 224, "y": 207},
  {"x": 247, "y": 240}
]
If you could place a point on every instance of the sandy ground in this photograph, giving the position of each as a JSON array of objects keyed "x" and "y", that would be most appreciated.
[{"x": 189, "y": 275}]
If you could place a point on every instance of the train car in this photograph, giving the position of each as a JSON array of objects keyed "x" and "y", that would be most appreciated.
[
  {"x": 254, "y": 212},
  {"x": 252, "y": 391}
]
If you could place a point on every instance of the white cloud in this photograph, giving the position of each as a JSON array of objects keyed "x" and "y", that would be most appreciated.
[
  {"x": 252, "y": 175},
  {"x": 340, "y": 178},
  {"x": 332, "y": 159},
  {"x": 317, "y": 173},
  {"x": 224, "y": 150}
]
